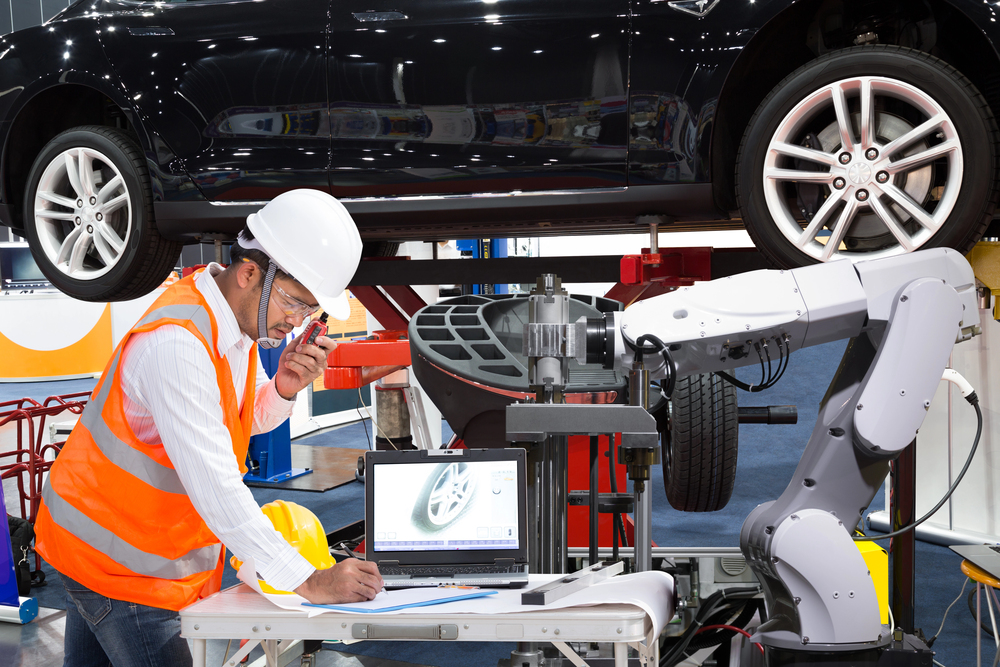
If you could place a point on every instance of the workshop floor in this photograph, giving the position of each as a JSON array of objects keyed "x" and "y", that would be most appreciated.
[{"x": 768, "y": 457}]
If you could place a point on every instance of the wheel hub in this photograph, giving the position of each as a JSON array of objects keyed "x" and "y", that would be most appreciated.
[{"x": 859, "y": 173}]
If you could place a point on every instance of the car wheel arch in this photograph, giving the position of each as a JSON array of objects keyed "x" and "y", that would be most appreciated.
[{"x": 29, "y": 130}]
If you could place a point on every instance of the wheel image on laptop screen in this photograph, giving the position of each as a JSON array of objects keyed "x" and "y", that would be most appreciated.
[{"x": 446, "y": 495}]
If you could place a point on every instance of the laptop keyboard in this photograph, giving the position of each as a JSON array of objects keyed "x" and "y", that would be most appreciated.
[
  {"x": 995, "y": 548},
  {"x": 432, "y": 570}
]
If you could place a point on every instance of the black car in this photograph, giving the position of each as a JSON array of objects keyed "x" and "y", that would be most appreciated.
[{"x": 830, "y": 128}]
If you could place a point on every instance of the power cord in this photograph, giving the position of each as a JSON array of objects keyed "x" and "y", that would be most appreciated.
[
  {"x": 767, "y": 378},
  {"x": 374, "y": 422},
  {"x": 969, "y": 395},
  {"x": 668, "y": 359},
  {"x": 930, "y": 642},
  {"x": 362, "y": 418},
  {"x": 705, "y": 613}
]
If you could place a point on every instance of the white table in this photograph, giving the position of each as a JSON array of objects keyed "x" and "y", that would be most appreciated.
[{"x": 240, "y": 612}]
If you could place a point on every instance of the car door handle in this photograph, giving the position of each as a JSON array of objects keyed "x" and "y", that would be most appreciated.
[
  {"x": 372, "y": 15},
  {"x": 150, "y": 31}
]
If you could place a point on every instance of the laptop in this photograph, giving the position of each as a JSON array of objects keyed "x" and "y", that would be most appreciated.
[
  {"x": 986, "y": 556},
  {"x": 447, "y": 516}
]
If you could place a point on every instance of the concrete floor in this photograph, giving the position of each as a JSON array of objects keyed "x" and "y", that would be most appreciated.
[{"x": 40, "y": 644}]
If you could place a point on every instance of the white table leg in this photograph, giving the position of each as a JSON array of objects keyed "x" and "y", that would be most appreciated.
[
  {"x": 621, "y": 654},
  {"x": 199, "y": 650}
]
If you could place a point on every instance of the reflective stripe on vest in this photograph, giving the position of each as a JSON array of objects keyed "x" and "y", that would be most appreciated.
[
  {"x": 127, "y": 458},
  {"x": 123, "y": 553}
]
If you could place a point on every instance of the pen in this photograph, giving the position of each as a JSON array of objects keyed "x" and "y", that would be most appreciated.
[{"x": 351, "y": 554}]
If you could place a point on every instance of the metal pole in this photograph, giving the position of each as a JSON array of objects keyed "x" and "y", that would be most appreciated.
[
  {"x": 904, "y": 479},
  {"x": 560, "y": 501},
  {"x": 594, "y": 470},
  {"x": 639, "y": 395},
  {"x": 536, "y": 545}
]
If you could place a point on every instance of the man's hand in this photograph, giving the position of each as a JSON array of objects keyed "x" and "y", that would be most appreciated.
[
  {"x": 300, "y": 365},
  {"x": 350, "y": 580}
]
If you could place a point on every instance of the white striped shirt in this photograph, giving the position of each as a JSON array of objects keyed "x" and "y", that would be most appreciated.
[{"x": 172, "y": 397}]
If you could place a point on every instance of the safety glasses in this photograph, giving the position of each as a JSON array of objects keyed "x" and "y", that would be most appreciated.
[{"x": 289, "y": 305}]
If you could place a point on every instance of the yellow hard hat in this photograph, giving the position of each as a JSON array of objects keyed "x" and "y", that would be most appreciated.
[{"x": 302, "y": 530}]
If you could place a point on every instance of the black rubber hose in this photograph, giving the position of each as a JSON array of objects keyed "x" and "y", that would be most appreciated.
[
  {"x": 708, "y": 609},
  {"x": 984, "y": 616},
  {"x": 716, "y": 637}
]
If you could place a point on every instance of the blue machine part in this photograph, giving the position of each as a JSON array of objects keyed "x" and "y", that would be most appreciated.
[
  {"x": 486, "y": 249},
  {"x": 8, "y": 578},
  {"x": 273, "y": 450}
]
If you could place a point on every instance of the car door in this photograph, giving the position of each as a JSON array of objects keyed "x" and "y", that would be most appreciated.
[
  {"x": 457, "y": 96},
  {"x": 236, "y": 89},
  {"x": 682, "y": 51}
]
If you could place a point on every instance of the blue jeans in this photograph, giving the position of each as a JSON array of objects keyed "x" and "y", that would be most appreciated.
[{"x": 102, "y": 631}]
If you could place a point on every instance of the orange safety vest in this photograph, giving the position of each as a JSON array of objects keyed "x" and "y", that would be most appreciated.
[{"x": 114, "y": 515}]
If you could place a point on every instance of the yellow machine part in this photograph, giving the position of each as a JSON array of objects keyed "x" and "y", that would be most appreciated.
[
  {"x": 878, "y": 564},
  {"x": 300, "y": 528},
  {"x": 985, "y": 260}
]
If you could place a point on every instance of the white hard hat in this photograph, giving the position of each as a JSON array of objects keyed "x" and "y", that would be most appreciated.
[{"x": 311, "y": 237}]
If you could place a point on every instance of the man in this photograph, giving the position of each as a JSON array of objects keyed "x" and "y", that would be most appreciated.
[{"x": 150, "y": 480}]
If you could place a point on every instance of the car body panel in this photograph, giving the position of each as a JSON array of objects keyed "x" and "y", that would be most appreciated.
[
  {"x": 607, "y": 107},
  {"x": 240, "y": 107},
  {"x": 462, "y": 96}
]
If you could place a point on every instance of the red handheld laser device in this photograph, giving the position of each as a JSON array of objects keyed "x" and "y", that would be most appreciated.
[{"x": 315, "y": 329}]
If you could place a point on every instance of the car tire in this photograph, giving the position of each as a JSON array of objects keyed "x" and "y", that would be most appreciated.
[
  {"x": 88, "y": 217},
  {"x": 700, "y": 446},
  {"x": 446, "y": 495},
  {"x": 379, "y": 248},
  {"x": 804, "y": 198}
]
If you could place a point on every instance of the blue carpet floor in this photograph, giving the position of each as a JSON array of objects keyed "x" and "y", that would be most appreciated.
[{"x": 768, "y": 457}]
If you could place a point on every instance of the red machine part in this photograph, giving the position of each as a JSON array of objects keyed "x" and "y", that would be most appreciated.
[
  {"x": 386, "y": 350},
  {"x": 578, "y": 517},
  {"x": 650, "y": 274}
]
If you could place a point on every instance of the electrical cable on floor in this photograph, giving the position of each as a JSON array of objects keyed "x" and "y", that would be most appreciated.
[
  {"x": 361, "y": 417},
  {"x": 974, "y": 401},
  {"x": 930, "y": 642},
  {"x": 375, "y": 423}
]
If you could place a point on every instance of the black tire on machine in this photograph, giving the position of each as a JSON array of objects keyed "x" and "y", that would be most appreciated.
[{"x": 699, "y": 447}]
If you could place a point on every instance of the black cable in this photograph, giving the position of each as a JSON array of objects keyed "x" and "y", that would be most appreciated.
[
  {"x": 664, "y": 350},
  {"x": 707, "y": 610},
  {"x": 768, "y": 379},
  {"x": 782, "y": 355},
  {"x": 974, "y": 401},
  {"x": 617, "y": 524},
  {"x": 720, "y": 636},
  {"x": 357, "y": 407},
  {"x": 984, "y": 623}
]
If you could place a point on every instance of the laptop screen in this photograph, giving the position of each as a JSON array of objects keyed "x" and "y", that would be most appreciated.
[{"x": 426, "y": 506}]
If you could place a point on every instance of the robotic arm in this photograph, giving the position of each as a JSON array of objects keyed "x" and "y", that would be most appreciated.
[{"x": 903, "y": 315}]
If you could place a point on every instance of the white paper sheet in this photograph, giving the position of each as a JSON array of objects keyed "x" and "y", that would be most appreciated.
[{"x": 653, "y": 592}]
